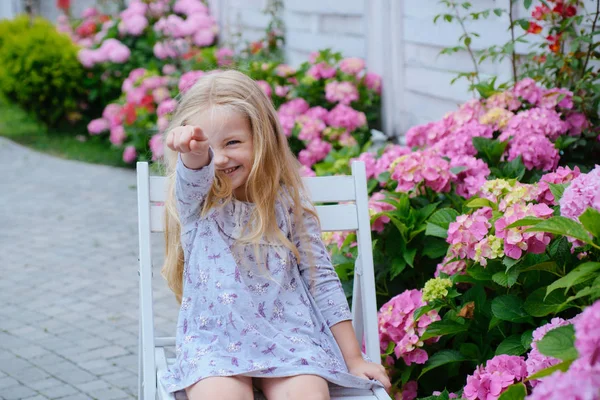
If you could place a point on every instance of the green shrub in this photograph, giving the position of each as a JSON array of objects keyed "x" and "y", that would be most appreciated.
[{"x": 39, "y": 69}]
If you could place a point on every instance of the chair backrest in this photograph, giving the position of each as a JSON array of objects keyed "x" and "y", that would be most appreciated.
[{"x": 352, "y": 215}]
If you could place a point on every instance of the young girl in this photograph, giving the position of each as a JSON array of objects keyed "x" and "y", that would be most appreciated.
[{"x": 260, "y": 301}]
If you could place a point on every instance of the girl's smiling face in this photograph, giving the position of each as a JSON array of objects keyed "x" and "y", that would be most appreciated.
[{"x": 230, "y": 137}]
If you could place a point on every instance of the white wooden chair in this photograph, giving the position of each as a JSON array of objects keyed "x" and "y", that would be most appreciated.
[{"x": 352, "y": 216}]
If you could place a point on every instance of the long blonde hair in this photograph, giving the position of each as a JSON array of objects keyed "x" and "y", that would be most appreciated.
[{"x": 274, "y": 166}]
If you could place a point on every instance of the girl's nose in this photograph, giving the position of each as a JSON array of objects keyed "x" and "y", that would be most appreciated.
[{"x": 221, "y": 159}]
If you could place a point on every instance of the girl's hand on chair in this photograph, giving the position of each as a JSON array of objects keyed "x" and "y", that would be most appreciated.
[
  {"x": 369, "y": 370},
  {"x": 187, "y": 139}
]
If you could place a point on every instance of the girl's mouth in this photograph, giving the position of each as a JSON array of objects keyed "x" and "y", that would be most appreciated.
[{"x": 229, "y": 171}]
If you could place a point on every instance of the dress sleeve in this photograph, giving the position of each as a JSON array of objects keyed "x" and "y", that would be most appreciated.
[
  {"x": 191, "y": 188},
  {"x": 322, "y": 280}
]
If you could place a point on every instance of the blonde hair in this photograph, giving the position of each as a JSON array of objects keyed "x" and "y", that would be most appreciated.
[{"x": 274, "y": 166}]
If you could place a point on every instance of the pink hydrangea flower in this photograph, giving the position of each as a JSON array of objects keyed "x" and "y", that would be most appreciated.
[
  {"x": 294, "y": 107},
  {"x": 430, "y": 133},
  {"x": 317, "y": 112},
  {"x": 281, "y": 91},
  {"x": 450, "y": 267},
  {"x": 470, "y": 111},
  {"x": 166, "y": 107},
  {"x": 540, "y": 121},
  {"x": 587, "y": 335},
  {"x": 536, "y": 361},
  {"x": 306, "y": 171},
  {"x": 343, "y": 116},
  {"x": 129, "y": 154},
  {"x": 341, "y": 92},
  {"x": 169, "y": 69},
  {"x": 112, "y": 113},
  {"x": 160, "y": 94},
  {"x": 422, "y": 167},
  {"x": 224, "y": 56},
  {"x": 321, "y": 71},
  {"x": 580, "y": 382},
  {"x": 189, "y": 7},
  {"x": 97, "y": 126},
  {"x": 316, "y": 151},
  {"x": 89, "y": 12},
  {"x": 162, "y": 123},
  {"x": 576, "y": 122},
  {"x": 284, "y": 70},
  {"x": 188, "y": 80},
  {"x": 516, "y": 240},
  {"x": 528, "y": 90},
  {"x": 397, "y": 324},
  {"x": 460, "y": 142},
  {"x": 352, "y": 65},
  {"x": 390, "y": 154},
  {"x": 377, "y": 205},
  {"x": 507, "y": 100},
  {"x": 500, "y": 372},
  {"x": 583, "y": 192},
  {"x": 310, "y": 128},
  {"x": 370, "y": 163},
  {"x": 408, "y": 392},
  {"x": 265, "y": 87},
  {"x": 536, "y": 151},
  {"x": 373, "y": 82},
  {"x": 561, "y": 175},
  {"x": 133, "y": 25},
  {"x": 467, "y": 231},
  {"x": 117, "y": 135},
  {"x": 469, "y": 181},
  {"x": 156, "y": 146},
  {"x": 560, "y": 97}
]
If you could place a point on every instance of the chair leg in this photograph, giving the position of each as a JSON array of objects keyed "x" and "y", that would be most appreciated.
[{"x": 140, "y": 362}]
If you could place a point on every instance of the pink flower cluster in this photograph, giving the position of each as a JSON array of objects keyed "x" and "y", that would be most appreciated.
[
  {"x": 528, "y": 90},
  {"x": 133, "y": 19},
  {"x": 582, "y": 380},
  {"x": 461, "y": 141},
  {"x": 449, "y": 267},
  {"x": 583, "y": 192},
  {"x": 488, "y": 383},
  {"x": 467, "y": 231},
  {"x": 377, "y": 205},
  {"x": 422, "y": 167},
  {"x": 111, "y": 50},
  {"x": 516, "y": 240},
  {"x": 473, "y": 176},
  {"x": 397, "y": 325},
  {"x": 341, "y": 92},
  {"x": 561, "y": 175},
  {"x": 536, "y": 361}
]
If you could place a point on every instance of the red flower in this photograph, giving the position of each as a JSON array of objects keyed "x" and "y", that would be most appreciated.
[
  {"x": 534, "y": 28},
  {"x": 63, "y": 5},
  {"x": 540, "y": 12},
  {"x": 148, "y": 103},
  {"x": 129, "y": 112},
  {"x": 255, "y": 47},
  {"x": 540, "y": 59},
  {"x": 88, "y": 28},
  {"x": 554, "y": 43}
]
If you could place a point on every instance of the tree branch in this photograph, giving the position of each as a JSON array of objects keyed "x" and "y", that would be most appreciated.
[
  {"x": 512, "y": 35},
  {"x": 468, "y": 46}
]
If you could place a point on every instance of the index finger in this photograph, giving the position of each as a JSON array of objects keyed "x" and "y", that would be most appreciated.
[{"x": 198, "y": 134}]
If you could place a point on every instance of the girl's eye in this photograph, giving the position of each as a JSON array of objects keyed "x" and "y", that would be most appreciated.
[{"x": 232, "y": 142}]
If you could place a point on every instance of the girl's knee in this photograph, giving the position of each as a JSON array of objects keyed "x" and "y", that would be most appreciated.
[{"x": 221, "y": 388}]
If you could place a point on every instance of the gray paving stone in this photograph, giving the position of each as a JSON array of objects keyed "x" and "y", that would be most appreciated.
[
  {"x": 17, "y": 393},
  {"x": 73, "y": 257}
]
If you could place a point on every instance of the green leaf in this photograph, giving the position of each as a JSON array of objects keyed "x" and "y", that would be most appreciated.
[
  {"x": 527, "y": 4},
  {"x": 517, "y": 391},
  {"x": 524, "y": 24},
  {"x": 441, "y": 328},
  {"x": 538, "y": 304},
  {"x": 419, "y": 312},
  {"x": 438, "y": 223},
  {"x": 559, "y": 343},
  {"x": 480, "y": 202},
  {"x": 526, "y": 339},
  {"x": 506, "y": 279},
  {"x": 409, "y": 255},
  {"x": 549, "y": 266},
  {"x": 562, "y": 226},
  {"x": 527, "y": 221},
  {"x": 582, "y": 273},
  {"x": 398, "y": 265},
  {"x": 440, "y": 358},
  {"x": 514, "y": 169},
  {"x": 498, "y": 11},
  {"x": 557, "y": 190},
  {"x": 593, "y": 291},
  {"x": 590, "y": 219},
  {"x": 509, "y": 308},
  {"x": 435, "y": 248},
  {"x": 511, "y": 345},
  {"x": 563, "y": 366},
  {"x": 489, "y": 150},
  {"x": 457, "y": 170}
]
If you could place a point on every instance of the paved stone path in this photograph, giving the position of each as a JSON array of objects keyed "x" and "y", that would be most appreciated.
[{"x": 68, "y": 279}]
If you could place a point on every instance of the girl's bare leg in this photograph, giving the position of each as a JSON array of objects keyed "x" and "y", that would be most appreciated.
[
  {"x": 300, "y": 387},
  {"x": 222, "y": 388}
]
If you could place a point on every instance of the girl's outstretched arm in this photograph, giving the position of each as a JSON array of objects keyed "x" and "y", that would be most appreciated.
[{"x": 194, "y": 172}]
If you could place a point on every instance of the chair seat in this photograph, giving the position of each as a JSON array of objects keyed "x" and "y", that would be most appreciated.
[{"x": 336, "y": 393}]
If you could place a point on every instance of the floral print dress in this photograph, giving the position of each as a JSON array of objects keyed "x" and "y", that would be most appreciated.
[{"x": 241, "y": 317}]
